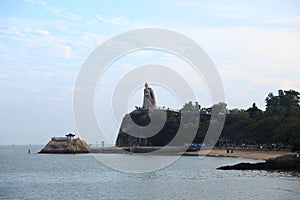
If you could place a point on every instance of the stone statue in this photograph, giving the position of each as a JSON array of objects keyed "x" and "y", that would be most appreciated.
[{"x": 149, "y": 98}]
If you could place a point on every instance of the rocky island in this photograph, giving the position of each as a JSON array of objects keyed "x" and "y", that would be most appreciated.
[{"x": 67, "y": 144}]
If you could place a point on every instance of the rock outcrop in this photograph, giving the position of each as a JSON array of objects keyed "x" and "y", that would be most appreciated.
[
  {"x": 128, "y": 137},
  {"x": 139, "y": 117},
  {"x": 149, "y": 126},
  {"x": 61, "y": 145},
  {"x": 287, "y": 162}
]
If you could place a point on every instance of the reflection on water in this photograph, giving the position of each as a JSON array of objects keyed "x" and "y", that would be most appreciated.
[{"x": 51, "y": 176}]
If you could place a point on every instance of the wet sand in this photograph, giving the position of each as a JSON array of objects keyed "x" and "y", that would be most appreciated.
[{"x": 250, "y": 154}]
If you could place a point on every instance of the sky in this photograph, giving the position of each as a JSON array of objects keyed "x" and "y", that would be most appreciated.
[{"x": 255, "y": 46}]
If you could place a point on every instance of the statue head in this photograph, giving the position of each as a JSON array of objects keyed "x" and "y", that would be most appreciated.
[{"x": 146, "y": 85}]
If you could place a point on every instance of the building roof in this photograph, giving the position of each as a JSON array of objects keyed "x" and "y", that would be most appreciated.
[
  {"x": 224, "y": 138},
  {"x": 70, "y": 135}
]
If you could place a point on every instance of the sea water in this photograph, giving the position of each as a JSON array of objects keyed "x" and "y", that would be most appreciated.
[{"x": 81, "y": 176}]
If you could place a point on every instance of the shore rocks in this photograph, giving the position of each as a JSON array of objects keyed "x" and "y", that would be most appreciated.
[{"x": 287, "y": 162}]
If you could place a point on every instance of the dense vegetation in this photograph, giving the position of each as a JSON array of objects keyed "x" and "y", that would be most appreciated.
[{"x": 279, "y": 124}]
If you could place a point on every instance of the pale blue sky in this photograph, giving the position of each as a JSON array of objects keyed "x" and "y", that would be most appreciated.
[{"x": 255, "y": 46}]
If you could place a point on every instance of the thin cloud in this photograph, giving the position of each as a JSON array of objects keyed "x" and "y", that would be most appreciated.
[
  {"x": 211, "y": 6},
  {"x": 51, "y": 99},
  {"x": 214, "y": 9},
  {"x": 55, "y": 10},
  {"x": 278, "y": 82},
  {"x": 3, "y": 76},
  {"x": 112, "y": 20},
  {"x": 121, "y": 21},
  {"x": 293, "y": 20},
  {"x": 42, "y": 32}
]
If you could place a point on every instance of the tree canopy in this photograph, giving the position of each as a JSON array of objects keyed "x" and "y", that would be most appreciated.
[{"x": 278, "y": 124}]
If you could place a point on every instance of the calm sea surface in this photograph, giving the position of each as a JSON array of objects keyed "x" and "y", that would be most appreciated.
[{"x": 50, "y": 176}]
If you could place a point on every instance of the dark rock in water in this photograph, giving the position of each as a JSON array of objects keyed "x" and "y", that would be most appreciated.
[
  {"x": 244, "y": 166},
  {"x": 287, "y": 162},
  {"x": 64, "y": 145}
]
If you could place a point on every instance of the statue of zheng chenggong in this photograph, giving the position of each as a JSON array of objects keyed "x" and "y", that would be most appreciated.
[{"x": 149, "y": 102}]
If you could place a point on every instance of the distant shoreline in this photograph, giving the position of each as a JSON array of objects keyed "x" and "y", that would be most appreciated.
[
  {"x": 248, "y": 154},
  {"x": 239, "y": 153}
]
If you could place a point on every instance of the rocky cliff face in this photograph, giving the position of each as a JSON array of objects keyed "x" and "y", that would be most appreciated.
[
  {"x": 141, "y": 118},
  {"x": 163, "y": 129},
  {"x": 66, "y": 146}
]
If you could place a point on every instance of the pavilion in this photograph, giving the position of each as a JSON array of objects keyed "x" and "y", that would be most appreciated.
[{"x": 70, "y": 136}]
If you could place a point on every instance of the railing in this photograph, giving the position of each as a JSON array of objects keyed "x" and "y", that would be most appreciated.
[{"x": 60, "y": 138}]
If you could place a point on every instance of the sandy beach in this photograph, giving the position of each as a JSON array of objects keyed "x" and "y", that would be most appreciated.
[{"x": 250, "y": 154}]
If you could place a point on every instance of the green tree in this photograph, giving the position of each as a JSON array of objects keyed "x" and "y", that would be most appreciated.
[
  {"x": 264, "y": 129},
  {"x": 254, "y": 112},
  {"x": 286, "y": 103},
  {"x": 236, "y": 124},
  {"x": 289, "y": 132}
]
